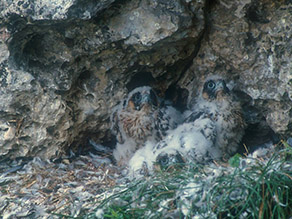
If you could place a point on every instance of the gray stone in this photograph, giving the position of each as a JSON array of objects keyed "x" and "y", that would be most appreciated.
[
  {"x": 250, "y": 43},
  {"x": 53, "y": 9},
  {"x": 65, "y": 64}
]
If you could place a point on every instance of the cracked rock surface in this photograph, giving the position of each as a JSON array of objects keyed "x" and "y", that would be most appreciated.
[
  {"x": 64, "y": 66},
  {"x": 250, "y": 43}
]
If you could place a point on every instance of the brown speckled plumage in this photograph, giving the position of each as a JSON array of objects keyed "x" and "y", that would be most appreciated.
[{"x": 139, "y": 118}]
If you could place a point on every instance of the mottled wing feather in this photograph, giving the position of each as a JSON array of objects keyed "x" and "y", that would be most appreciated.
[
  {"x": 193, "y": 141},
  {"x": 194, "y": 116},
  {"x": 167, "y": 119},
  {"x": 115, "y": 128}
]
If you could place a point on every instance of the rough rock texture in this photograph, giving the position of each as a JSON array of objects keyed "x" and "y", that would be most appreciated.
[
  {"x": 250, "y": 42},
  {"x": 53, "y": 9},
  {"x": 65, "y": 64}
]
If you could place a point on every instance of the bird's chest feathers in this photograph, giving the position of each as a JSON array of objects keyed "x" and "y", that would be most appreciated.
[
  {"x": 138, "y": 124},
  {"x": 226, "y": 120},
  {"x": 222, "y": 115},
  {"x": 222, "y": 118}
]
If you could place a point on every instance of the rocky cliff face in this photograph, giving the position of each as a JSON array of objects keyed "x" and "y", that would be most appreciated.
[
  {"x": 65, "y": 64},
  {"x": 250, "y": 43}
]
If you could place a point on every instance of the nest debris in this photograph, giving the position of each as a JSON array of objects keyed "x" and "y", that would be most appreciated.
[{"x": 43, "y": 189}]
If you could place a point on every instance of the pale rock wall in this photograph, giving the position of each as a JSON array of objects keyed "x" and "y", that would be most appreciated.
[{"x": 65, "y": 64}]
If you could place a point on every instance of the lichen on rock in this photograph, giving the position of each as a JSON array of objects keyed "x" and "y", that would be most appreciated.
[
  {"x": 76, "y": 61},
  {"x": 250, "y": 45}
]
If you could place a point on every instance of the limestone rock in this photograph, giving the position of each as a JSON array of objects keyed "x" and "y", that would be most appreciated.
[
  {"x": 53, "y": 9},
  {"x": 65, "y": 64},
  {"x": 250, "y": 42}
]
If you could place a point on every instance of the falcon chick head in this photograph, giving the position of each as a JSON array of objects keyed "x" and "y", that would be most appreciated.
[
  {"x": 215, "y": 89},
  {"x": 141, "y": 98}
]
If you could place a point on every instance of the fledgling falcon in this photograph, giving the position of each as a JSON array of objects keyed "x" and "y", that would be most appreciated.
[
  {"x": 212, "y": 129},
  {"x": 142, "y": 116}
]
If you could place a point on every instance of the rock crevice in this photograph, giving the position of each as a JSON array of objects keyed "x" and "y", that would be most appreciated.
[{"x": 64, "y": 66}]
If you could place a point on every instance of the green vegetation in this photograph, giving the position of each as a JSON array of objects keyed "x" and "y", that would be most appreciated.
[{"x": 247, "y": 187}]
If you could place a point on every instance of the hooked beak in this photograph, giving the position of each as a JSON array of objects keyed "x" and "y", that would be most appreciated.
[
  {"x": 146, "y": 100},
  {"x": 221, "y": 89},
  {"x": 150, "y": 99}
]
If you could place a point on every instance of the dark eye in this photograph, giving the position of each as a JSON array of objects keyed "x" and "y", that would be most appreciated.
[
  {"x": 163, "y": 160},
  {"x": 137, "y": 97},
  {"x": 211, "y": 85}
]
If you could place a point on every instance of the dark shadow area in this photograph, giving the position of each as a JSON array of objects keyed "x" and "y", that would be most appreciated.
[
  {"x": 102, "y": 147},
  {"x": 178, "y": 96},
  {"x": 258, "y": 131},
  {"x": 140, "y": 79},
  {"x": 256, "y": 13}
]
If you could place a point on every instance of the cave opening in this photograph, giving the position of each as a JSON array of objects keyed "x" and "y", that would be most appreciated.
[{"x": 142, "y": 78}]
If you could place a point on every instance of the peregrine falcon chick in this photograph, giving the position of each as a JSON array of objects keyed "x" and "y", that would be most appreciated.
[
  {"x": 142, "y": 116},
  {"x": 212, "y": 129}
]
